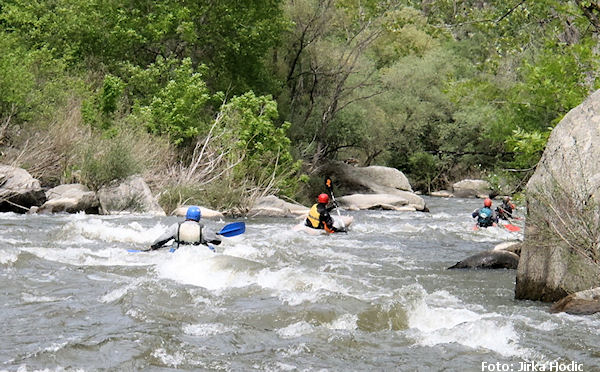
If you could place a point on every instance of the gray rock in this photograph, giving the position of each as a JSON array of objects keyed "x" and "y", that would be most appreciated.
[
  {"x": 206, "y": 212},
  {"x": 489, "y": 260},
  {"x": 272, "y": 206},
  {"x": 579, "y": 303},
  {"x": 19, "y": 191},
  {"x": 372, "y": 180},
  {"x": 514, "y": 247},
  {"x": 70, "y": 198},
  {"x": 374, "y": 201},
  {"x": 130, "y": 196},
  {"x": 566, "y": 179},
  {"x": 471, "y": 189},
  {"x": 442, "y": 194}
]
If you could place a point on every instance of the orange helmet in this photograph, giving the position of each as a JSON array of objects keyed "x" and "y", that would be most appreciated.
[
  {"x": 323, "y": 198},
  {"x": 487, "y": 202}
]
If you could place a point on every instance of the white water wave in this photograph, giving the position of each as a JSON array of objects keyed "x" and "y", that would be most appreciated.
[
  {"x": 93, "y": 257},
  {"x": 296, "y": 330},
  {"x": 94, "y": 229},
  {"x": 118, "y": 293},
  {"x": 449, "y": 322},
  {"x": 8, "y": 256},
  {"x": 206, "y": 329}
]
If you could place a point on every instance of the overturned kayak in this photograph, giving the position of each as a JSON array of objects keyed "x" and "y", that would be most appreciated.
[{"x": 338, "y": 222}]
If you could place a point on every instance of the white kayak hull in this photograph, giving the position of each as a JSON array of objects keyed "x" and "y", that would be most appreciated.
[{"x": 338, "y": 222}]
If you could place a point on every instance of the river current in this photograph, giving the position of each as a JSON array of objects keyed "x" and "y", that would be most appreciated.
[{"x": 378, "y": 298}]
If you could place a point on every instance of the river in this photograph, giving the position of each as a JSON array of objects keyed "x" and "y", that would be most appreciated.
[{"x": 376, "y": 299}]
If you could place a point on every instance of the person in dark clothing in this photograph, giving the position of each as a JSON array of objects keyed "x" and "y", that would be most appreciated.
[
  {"x": 190, "y": 231},
  {"x": 486, "y": 217},
  {"x": 506, "y": 209},
  {"x": 319, "y": 217}
]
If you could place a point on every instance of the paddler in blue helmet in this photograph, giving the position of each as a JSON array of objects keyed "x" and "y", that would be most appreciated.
[
  {"x": 319, "y": 217},
  {"x": 188, "y": 232}
]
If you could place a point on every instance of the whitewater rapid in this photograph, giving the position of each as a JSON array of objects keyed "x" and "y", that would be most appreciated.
[{"x": 377, "y": 298}]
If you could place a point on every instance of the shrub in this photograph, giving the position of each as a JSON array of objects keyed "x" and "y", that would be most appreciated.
[{"x": 106, "y": 160}]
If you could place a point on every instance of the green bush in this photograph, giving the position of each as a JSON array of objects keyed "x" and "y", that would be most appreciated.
[
  {"x": 104, "y": 161},
  {"x": 179, "y": 107},
  {"x": 220, "y": 195}
]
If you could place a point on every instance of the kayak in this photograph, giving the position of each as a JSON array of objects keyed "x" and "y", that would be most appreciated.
[
  {"x": 338, "y": 222},
  {"x": 504, "y": 225}
]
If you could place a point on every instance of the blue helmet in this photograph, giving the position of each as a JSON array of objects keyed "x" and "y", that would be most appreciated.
[{"x": 193, "y": 213}]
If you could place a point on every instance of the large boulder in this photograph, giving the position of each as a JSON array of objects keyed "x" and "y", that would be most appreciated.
[
  {"x": 559, "y": 255},
  {"x": 372, "y": 180},
  {"x": 492, "y": 259},
  {"x": 514, "y": 247},
  {"x": 70, "y": 198},
  {"x": 579, "y": 303},
  {"x": 129, "y": 196},
  {"x": 367, "y": 180},
  {"x": 374, "y": 201},
  {"x": 272, "y": 206},
  {"x": 471, "y": 189},
  {"x": 19, "y": 191},
  {"x": 205, "y": 212},
  {"x": 442, "y": 194}
]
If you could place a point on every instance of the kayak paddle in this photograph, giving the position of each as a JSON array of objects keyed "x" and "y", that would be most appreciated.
[
  {"x": 228, "y": 231},
  {"x": 232, "y": 229},
  {"x": 329, "y": 185}
]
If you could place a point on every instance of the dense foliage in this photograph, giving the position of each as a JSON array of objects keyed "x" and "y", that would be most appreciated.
[{"x": 251, "y": 95}]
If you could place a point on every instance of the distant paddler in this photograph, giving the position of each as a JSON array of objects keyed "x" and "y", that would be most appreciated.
[
  {"x": 486, "y": 217},
  {"x": 319, "y": 217},
  {"x": 505, "y": 211}
]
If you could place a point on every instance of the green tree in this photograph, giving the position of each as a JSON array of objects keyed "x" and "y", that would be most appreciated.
[
  {"x": 179, "y": 109},
  {"x": 261, "y": 147}
]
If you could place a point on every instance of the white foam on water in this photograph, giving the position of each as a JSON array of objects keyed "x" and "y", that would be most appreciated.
[
  {"x": 90, "y": 257},
  {"x": 206, "y": 329},
  {"x": 296, "y": 330},
  {"x": 94, "y": 228},
  {"x": 11, "y": 241},
  {"x": 546, "y": 325},
  {"x": 24, "y": 368},
  {"x": 442, "y": 216},
  {"x": 347, "y": 322},
  {"x": 279, "y": 366},
  {"x": 30, "y": 298},
  {"x": 219, "y": 272},
  {"x": 11, "y": 216},
  {"x": 446, "y": 323},
  {"x": 295, "y": 287},
  {"x": 8, "y": 256},
  {"x": 172, "y": 360},
  {"x": 329, "y": 253},
  {"x": 203, "y": 268},
  {"x": 240, "y": 250},
  {"x": 118, "y": 293}
]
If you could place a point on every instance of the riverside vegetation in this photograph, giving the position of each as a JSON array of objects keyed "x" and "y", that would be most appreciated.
[{"x": 219, "y": 103}]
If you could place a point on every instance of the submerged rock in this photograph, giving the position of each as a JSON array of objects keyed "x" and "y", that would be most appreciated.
[{"x": 493, "y": 259}]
